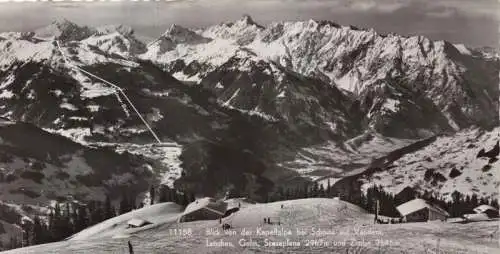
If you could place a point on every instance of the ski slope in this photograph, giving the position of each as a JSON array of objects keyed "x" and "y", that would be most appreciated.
[
  {"x": 320, "y": 220},
  {"x": 157, "y": 214}
]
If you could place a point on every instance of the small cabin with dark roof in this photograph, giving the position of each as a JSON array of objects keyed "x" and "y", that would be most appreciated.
[
  {"x": 419, "y": 210},
  {"x": 490, "y": 211}
]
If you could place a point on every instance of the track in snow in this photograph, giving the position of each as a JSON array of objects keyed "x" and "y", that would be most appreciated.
[{"x": 117, "y": 88}]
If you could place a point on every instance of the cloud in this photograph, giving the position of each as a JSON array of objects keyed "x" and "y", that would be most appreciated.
[
  {"x": 66, "y": 5},
  {"x": 477, "y": 7},
  {"x": 383, "y": 6},
  {"x": 444, "y": 12}
]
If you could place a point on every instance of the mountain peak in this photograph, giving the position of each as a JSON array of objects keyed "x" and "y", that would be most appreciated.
[
  {"x": 122, "y": 29},
  {"x": 175, "y": 29},
  {"x": 242, "y": 30},
  {"x": 328, "y": 23},
  {"x": 247, "y": 18},
  {"x": 179, "y": 34},
  {"x": 247, "y": 21},
  {"x": 64, "y": 29},
  {"x": 63, "y": 22}
]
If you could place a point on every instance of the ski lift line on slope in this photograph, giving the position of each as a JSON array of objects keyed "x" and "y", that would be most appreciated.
[
  {"x": 119, "y": 99},
  {"x": 114, "y": 86}
]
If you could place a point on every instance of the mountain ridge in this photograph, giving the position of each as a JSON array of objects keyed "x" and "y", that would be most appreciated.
[
  {"x": 383, "y": 106},
  {"x": 431, "y": 64}
]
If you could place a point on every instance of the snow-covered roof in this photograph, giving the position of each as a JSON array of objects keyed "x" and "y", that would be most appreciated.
[
  {"x": 5, "y": 121},
  {"x": 135, "y": 222},
  {"x": 232, "y": 203},
  {"x": 476, "y": 217},
  {"x": 418, "y": 204},
  {"x": 484, "y": 208},
  {"x": 207, "y": 203},
  {"x": 238, "y": 202}
]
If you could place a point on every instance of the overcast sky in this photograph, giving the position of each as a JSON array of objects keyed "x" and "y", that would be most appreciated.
[{"x": 473, "y": 22}]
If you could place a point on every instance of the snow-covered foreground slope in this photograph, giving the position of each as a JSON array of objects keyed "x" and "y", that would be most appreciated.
[
  {"x": 157, "y": 214},
  {"x": 306, "y": 226}
]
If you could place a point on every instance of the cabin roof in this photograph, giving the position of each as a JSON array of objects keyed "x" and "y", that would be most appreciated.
[
  {"x": 207, "y": 203},
  {"x": 418, "y": 204},
  {"x": 484, "y": 208},
  {"x": 137, "y": 222}
]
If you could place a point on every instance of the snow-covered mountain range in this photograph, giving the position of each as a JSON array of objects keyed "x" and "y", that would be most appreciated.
[
  {"x": 388, "y": 74},
  {"x": 387, "y": 91},
  {"x": 246, "y": 107}
]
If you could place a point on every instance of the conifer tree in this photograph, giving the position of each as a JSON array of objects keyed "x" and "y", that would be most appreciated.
[
  {"x": 58, "y": 223},
  {"x": 39, "y": 231},
  {"x": 82, "y": 219},
  {"x": 66, "y": 224},
  {"x": 185, "y": 200},
  {"x": 494, "y": 203},
  {"x": 175, "y": 197},
  {"x": 474, "y": 201},
  {"x": 152, "y": 195},
  {"x": 315, "y": 190},
  {"x": 132, "y": 202},
  {"x": 192, "y": 198},
  {"x": 164, "y": 194},
  {"x": 328, "y": 189},
  {"x": 321, "y": 192},
  {"x": 109, "y": 209},
  {"x": 27, "y": 233},
  {"x": 456, "y": 205},
  {"x": 124, "y": 204}
]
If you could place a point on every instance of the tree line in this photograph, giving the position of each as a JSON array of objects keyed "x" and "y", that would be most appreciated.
[
  {"x": 166, "y": 194},
  {"x": 459, "y": 205},
  {"x": 66, "y": 219}
]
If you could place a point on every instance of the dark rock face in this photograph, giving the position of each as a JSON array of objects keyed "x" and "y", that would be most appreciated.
[
  {"x": 494, "y": 152},
  {"x": 454, "y": 173}
]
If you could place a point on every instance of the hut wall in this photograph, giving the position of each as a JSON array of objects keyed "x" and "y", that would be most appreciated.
[
  {"x": 418, "y": 216},
  {"x": 201, "y": 214}
]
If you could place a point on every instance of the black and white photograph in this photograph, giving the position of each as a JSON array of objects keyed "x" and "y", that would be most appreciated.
[{"x": 249, "y": 126}]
